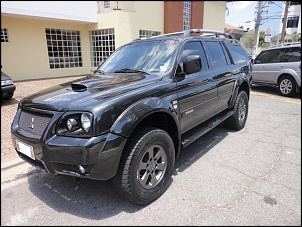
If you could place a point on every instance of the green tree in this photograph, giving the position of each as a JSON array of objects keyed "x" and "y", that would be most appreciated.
[{"x": 248, "y": 40}]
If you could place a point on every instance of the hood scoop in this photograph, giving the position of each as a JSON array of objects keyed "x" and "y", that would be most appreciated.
[{"x": 78, "y": 87}]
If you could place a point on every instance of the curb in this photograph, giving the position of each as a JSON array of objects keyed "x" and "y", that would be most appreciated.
[{"x": 10, "y": 164}]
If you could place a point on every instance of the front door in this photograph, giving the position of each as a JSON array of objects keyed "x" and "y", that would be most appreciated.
[{"x": 197, "y": 93}]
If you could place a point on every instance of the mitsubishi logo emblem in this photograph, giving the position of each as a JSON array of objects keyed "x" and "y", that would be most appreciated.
[{"x": 31, "y": 125}]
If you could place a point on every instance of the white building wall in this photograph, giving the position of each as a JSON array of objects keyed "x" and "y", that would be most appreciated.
[
  {"x": 217, "y": 8},
  {"x": 294, "y": 10},
  {"x": 145, "y": 15},
  {"x": 80, "y": 11}
]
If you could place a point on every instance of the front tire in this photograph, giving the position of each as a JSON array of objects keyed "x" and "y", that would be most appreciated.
[
  {"x": 287, "y": 86},
  {"x": 146, "y": 166},
  {"x": 238, "y": 119}
]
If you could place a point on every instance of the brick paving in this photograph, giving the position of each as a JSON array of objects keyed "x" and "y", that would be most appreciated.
[{"x": 9, "y": 108}]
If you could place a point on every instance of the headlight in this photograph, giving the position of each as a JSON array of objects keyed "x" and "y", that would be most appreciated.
[
  {"x": 86, "y": 122},
  {"x": 75, "y": 124},
  {"x": 6, "y": 82}
]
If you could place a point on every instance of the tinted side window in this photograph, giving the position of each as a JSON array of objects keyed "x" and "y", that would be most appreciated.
[
  {"x": 218, "y": 57},
  {"x": 263, "y": 57},
  {"x": 292, "y": 55},
  {"x": 195, "y": 48},
  {"x": 238, "y": 54},
  {"x": 276, "y": 55}
]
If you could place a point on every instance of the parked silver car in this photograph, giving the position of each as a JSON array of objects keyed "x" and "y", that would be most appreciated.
[{"x": 279, "y": 66}]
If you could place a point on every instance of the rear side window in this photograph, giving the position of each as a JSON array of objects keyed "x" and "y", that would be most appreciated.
[
  {"x": 292, "y": 55},
  {"x": 238, "y": 54},
  {"x": 277, "y": 56},
  {"x": 217, "y": 54}
]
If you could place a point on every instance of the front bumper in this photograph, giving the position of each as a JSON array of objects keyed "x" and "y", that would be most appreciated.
[
  {"x": 8, "y": 91},
  {"x": 95, "y": 158}
]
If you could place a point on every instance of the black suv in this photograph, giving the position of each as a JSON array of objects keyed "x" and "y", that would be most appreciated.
[{"x": 129, "y": 120}]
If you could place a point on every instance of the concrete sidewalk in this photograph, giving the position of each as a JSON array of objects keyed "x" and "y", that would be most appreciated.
[{"x": 9, "y": 157}]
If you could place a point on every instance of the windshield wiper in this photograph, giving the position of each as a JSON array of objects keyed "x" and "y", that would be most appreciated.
[
  {"x": 127, "y": 70},
  {"x": 100, "y": 71}
]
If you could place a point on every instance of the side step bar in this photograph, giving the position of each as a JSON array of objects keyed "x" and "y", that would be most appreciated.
[{"x": 197, "y": 132}]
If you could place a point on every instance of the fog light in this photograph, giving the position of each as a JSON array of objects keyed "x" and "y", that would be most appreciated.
[
  {"x": 81, "y": 169},
  {"x": 71, "y": 124}
]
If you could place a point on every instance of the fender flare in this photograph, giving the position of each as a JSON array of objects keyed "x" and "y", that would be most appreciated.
[
  {"x": 134, "y": 114},
  {"x": 240, "y": 79}
]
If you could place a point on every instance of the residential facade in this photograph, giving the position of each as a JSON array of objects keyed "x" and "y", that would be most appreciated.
[
  {"x": 45, "y": 39},
  {"x": 293, "y": 25}
]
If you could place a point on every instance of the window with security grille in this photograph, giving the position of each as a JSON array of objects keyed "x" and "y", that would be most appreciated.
[
  {"x": 102, "y": 44},
  {"x": 147, "y": 34},
  {"x": 4, "y": 35},
  {"x": 187, "y": 15},
  {"x": 64, "y": 48}
]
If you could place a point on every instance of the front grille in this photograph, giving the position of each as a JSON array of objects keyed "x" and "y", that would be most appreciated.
[{"x": 34, "y": 122}]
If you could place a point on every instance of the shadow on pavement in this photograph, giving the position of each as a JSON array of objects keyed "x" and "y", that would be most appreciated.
[
  {"x": 272, "y": 91},
  {"x": 98, "y": 200},
  {"x": 6, "y": 102}
]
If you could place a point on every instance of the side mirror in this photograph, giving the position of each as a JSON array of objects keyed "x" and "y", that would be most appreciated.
[{"x": 192, "y": 64}]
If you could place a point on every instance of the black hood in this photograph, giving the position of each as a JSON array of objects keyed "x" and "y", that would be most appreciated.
[{"x": 87, "y": 91}]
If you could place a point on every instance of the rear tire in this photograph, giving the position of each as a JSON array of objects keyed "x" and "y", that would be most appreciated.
[
  {"x": 146, "y": 166},
  {"x": 287, "y": 86},
  {"x": 238, "y": 119}
]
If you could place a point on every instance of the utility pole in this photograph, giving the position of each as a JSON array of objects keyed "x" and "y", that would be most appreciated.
[
  {"x": 284, "y": 22},
  {"x": 257, "y": 24}
]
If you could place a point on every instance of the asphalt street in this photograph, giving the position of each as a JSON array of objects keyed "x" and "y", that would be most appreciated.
[{"x": 247, "y": 177}]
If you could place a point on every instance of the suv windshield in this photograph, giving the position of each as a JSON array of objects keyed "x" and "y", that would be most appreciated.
[{"x": 146, "y": 56}]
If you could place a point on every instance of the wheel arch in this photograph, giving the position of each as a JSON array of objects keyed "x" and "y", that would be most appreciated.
[
  {"x": 291, "y": 73},
  {"x": 146, "y": 113},
  {"x": 242, "y": 84}
]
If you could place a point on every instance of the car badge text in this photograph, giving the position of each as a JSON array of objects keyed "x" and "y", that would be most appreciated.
[{"x": 31, "y": 125}]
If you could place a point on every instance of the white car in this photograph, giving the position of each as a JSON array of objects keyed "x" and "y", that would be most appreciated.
[{"x": 279, "y": 66}]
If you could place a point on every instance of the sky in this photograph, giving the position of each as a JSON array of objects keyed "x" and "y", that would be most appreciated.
[{"x": 240, "y": 12}]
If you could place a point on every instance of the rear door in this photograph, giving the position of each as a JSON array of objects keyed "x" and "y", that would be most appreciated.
[
  {"x": 275, "y": 65},
  {"x": 225, "y": 72}
]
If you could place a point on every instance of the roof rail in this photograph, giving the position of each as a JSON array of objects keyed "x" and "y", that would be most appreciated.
[{"x": 188, "y": 32}]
